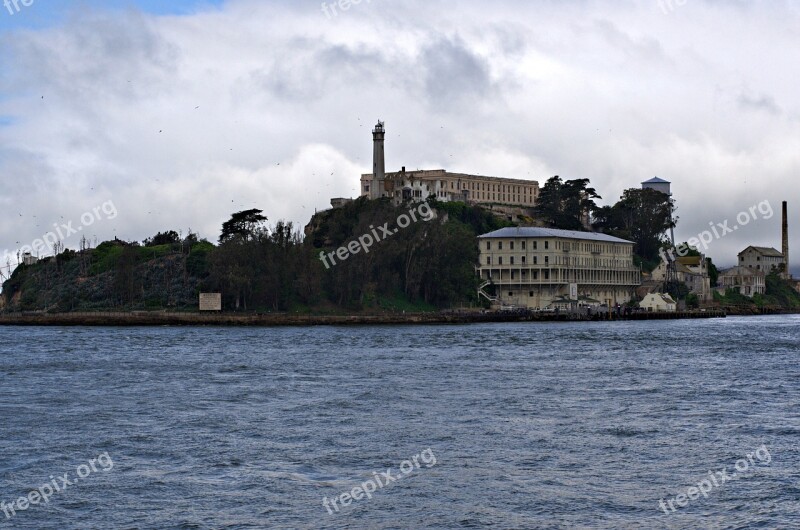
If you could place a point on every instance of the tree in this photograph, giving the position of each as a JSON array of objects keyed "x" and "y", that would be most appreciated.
[
  {"x": 242, "y": 226},
  {"x": 564, "y": 205},
  {"x": 642, "y": 216},
  {"x": 170, "y": 237}
]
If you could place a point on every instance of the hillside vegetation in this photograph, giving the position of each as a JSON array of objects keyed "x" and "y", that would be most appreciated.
[{"x": 426, "y": 265}]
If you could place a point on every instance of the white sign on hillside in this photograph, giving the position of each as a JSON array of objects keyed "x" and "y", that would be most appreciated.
[{"x": 210, "y": 301}]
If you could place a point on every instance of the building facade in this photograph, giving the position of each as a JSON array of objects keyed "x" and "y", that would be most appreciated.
[
  {"x": 542, "y": 267},
  {"x": 692, "y": 271},
  {"x": 659, "y": 303},
  {"x": 445, "y": 187},
  {"x": 746, "y": 280},
  {"x": 420, "y": 185},
  {"x": 763, "y": 259}
]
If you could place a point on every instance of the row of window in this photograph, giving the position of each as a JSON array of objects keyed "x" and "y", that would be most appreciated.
[
  {"x": 522, "y": 191},
  {"x": 486, "y": 196},
  {"x": 774, "y": 259},
  {"x": 511, "y": 245},
  {"x": 566, "y": 245},
  {"x": 483, "y": 186},
  {"x": 500, "y": 260},
  {"x": 627, "y": 278},
  {"x": 532, "y": 294},
  {"x": 566, "y": 261},
  {"x": 534, "y": 275}
]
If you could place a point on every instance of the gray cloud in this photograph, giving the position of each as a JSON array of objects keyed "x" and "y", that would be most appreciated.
[
  {"x": 761, "y": 102},
  {"x": 614, "y": 91},
  {"x": 454, "y": 75}
]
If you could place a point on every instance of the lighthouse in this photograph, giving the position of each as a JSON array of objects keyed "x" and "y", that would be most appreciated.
[{"x": 378, "y": 162}]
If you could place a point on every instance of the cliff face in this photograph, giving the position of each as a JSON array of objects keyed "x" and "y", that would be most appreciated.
[{"x": 103, "y": 278}]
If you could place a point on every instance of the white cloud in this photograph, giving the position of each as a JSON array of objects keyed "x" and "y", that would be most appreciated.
[{"x": 612, "y": 91}]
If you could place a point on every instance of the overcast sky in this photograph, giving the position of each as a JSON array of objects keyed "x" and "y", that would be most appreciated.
[{"x": 182, "y": 115}]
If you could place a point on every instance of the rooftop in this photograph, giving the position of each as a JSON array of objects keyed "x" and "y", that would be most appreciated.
[
  {"x": 536, "y": 232},
  {"x": 690, "y": 260},
  {"x": 656, "y": 180},
  {"x": 740, "y": 270},
  {"x": 764, "y": 251}
]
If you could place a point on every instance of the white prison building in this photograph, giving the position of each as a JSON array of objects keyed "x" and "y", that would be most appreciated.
[{"x": 539, "y": 267}]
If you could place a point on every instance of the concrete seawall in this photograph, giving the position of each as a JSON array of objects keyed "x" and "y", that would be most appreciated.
[{"x": 281, "y": 319}]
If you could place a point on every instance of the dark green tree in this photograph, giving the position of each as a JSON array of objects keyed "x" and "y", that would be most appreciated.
[
  {"x": 565, "y": 205},
  {"x": 170, "y": 237},
  {"x": 242, "y": 226},
  {"x": 642, "y": 216}
]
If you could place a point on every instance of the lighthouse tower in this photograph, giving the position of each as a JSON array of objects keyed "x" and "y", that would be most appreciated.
[{"x": 378, "y": 162}]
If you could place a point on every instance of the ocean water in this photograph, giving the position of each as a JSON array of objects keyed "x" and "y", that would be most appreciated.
[{"x": 557, "y": 425}]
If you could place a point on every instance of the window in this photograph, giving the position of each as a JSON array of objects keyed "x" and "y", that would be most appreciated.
[
  {"x": 512, "y": 262},
  {"x": 523, "y": 245},
  {"x": 523, "y": 259},
  {"x": 546, "y": 245},
  {"x": 510, "y": 293},
  {"x": 488, "y": 260},
  {"x": 535, "y": 260},
  {"x": 499, "y": 245},
  {"x": 535, "y": 244},
  {"x": 511, "y": 245},
  {"x": 546, "y": 260},
  {"x": 530, "y": 293},
  {"x": 500, "y": 260},
  {"x": 488, "y": 245}
]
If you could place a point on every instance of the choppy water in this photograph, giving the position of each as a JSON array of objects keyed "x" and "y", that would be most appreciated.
[{"x": 585, "y": 425}]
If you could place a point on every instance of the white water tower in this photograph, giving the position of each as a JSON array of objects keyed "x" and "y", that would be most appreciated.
[{"x": 657, "y": 184}]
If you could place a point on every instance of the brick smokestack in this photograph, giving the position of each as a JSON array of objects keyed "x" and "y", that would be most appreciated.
[{"x": 786, "y": 274}]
